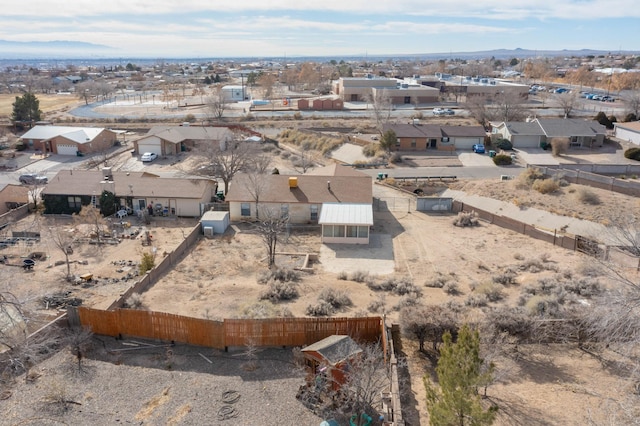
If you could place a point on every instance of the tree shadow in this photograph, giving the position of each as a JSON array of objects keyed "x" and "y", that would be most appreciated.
[{"x": 515, "y": 413}]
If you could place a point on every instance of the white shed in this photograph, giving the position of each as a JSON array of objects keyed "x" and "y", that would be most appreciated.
[
  {"x": 346, "y": 223},
  {"x": 214, "y": 222}
]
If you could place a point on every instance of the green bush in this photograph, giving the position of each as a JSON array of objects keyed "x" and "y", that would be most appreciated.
[
  {"x": 504, "y": 144},
  {"x": 370, "y": 150},
  {"x": 502, "y": 160},
  {"x": 632, "y": 154},
  {"x": 630, "y": 117},
  {"x": 147, "y": 263}
]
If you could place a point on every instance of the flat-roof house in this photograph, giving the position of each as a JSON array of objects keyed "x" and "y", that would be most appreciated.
[
  {"x": 135, "y": 192},
  {"x": 341, "y": 190},
  {"x": 171, "y": 140},
  {"x": 360, "y": 89},
  {"x": 67, "y": 140}
]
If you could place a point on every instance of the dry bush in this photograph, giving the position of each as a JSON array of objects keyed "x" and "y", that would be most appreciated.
[
  {"x": 543, "y": 306},
  {"x": 278, "y": 291},
  {"x": 587, "y": 196},
  {"x": 559, "y": 147},
  {"x": 396, "y": 285},
  {"x": 513, "y": 321},
  {"x": 278, "y": 274},
  {"x": 505, "y": 278},
  {"x": 377, "y": 305},
  {"x": 320, "y": 309},
  {"x": 438, "y": 282},
  {"x": 451, "y": 288},
  {"x": 359, "y": 276},
  {"x": 135, "y": 301},
  {"x": 265, "y": 310},
  {"x": 338, "y": 299},
  {"x": 546, "y": 186},
  {"x": 586, "y": 287},
  {"x": 343, "y": 276},
  {"x": 407, "y": 301},
  {"x": 466, "y": 219},
  {"x": 476, "y": 300},
  {"x": 493, "y": 291},
  {"x": 528, "y": 177},
  {"x": 370, "y": 150}
]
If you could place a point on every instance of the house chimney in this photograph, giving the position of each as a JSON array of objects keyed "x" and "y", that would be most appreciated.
[{"x": 293, "y": 182}]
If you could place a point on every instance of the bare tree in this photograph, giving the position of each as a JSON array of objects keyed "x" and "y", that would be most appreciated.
[
  {"x": 567, "y": 101},
  {"x": 272, "y": 224},
  {"x": 223, "y": 161},
  {"x": 79, "y": 340},
  {"x": 91, "y": 216},
  {"x": 217, "y": 103},
  {"x": 382, "y": 107},
  {"x": 428, "y": 323},
  {"x": 63, "y": 239},
  {"x": 508, "y": 106},
  {"x": 305, "y": 160},
  {"x": 633, "y": 103},
  {"x": 256, "y": 184}
]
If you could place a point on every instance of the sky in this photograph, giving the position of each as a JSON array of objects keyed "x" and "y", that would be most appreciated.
[{"x": 298, "y": 28}]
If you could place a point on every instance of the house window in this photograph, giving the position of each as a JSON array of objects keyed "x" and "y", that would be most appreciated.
[
  {"x": 314, "y": 212},
  {"x": 284, "y": 210},
  {"x": 574, "y": 141},
  {"x": 407, "y": 99},
  {"x": 352, "y": 231},
  {"x": 413, "y": 143},
  {"x": 327, "y": 231},
  {"x": 245, "y": 209},
  {"x": 363, "y": 232},
  {"x": 445, "y": 140},
  {"x": 75, "y": 203},
  {"x": 338, "y": 231}
]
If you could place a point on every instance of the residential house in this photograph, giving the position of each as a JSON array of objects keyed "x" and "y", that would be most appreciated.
[
  {"x": 171, "y": 140},
  {"x": 12, "y": 196},
  {"x": 422, "y": 137},
  {"x": 134, "y": 192},
  {"x": 543, "y": 131},
  {"x": 337, "y": 197},
  {"x": 66, "y": 140},
  {"x": 629, "y": 132}
]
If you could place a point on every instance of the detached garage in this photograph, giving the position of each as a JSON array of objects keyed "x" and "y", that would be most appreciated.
[{"x": 629, "y": 132}]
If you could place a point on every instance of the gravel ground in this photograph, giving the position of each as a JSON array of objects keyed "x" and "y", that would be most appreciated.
[{"x": 169, "y": 385}]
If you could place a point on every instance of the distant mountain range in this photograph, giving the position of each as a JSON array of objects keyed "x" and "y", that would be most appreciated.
[{"x": 77, "y": 51}]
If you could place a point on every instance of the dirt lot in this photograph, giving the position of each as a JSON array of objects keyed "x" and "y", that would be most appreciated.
[{"x": 48, "y": 103}]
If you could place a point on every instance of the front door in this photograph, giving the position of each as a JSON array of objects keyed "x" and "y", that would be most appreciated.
[
  {"x": 433, "y": 143},
  {"x": 140, "y": 204}
]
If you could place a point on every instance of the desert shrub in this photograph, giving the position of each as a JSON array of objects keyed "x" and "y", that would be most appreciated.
[
  {"x": 466, "y": 219},
  {"x": 493, "y": 291},
  {"x": 338, "y": 299},
  {"x": 513, "y": 321},
  {"x": 135, "y": 301},
  {"x": 320, "y": 309},
  {"x": 285, "y": 154},
  {"x": 546, "y": 186},
  {"x": 146, "y": 263},
  {"x": 632, "y": 153},
  {"x": 505, "y": 278},
  {"x": 343, "y": 276},
  {"x": 545, "y": 306},
  {"x": 451, "y": 288},
  {"x": 518, "y": 256},
  {"x": 476, "y": 300},
  {"x": 587, "y": 196},
  {"x": 190, "y": 118},
  {"x": 438, "y": 282},
  {"x": 396, "y": 157},
  {"x": 297, "y": 115},
  {"x": 407, "y": 301},
  {"x": 526, "y": 179},
  {"x": 278, "y": 274},
  {"x": 502, "y": 160},
  {"x": 559, "y": 147},
  {"x": 395, "y": 285},
  {"x": 504, "y": 144},
  {"x": 630, "y": 117},
  {"x": 589, "y": 269},
  {"x": 376, "y": 306},
  {"x": 370, "y": 150},
  {"x": 359, "y": 276},
  {"x": 265, "y": 310},
  {"x": 587, "y": 287},
  {"x": 277, "y": 291}
]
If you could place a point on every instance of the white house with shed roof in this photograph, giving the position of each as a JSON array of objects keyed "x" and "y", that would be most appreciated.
[
  {"x": 531, "y": 134},
  {"x": 67, "y": 140},
  {"x": 346, "y": 223},
  {"x": 629, "y": 132}
]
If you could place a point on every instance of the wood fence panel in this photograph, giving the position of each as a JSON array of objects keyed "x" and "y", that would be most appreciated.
[{"x": 100, "y": 322}]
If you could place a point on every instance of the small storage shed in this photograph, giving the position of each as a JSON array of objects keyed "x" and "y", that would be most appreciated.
[
  {"x": 214, "y": 222},
  {"x": 330, "y": 356}
]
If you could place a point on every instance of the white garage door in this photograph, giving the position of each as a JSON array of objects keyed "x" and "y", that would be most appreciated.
[
  {"x": 149, "y": 147},
  {"x": 467, "y": 143},
  {"x": 67, "y": 149}
]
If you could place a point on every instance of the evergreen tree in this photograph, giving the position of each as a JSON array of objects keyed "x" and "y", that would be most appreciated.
[
  {"x": 26, "y": 108},
  {"x": 459, "y": 370},
  {"x": 388, "y": 140}
]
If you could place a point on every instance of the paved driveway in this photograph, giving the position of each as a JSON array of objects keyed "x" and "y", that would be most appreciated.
[{"x": 471, "y": 159}]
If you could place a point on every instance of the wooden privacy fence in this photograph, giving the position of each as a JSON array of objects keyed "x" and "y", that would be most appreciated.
[
  {"x": 222, "y": 334},
  {"x": 551, "y": 236}
]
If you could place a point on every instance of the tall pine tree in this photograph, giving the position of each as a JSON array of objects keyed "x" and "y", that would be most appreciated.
[{"x": 457, "y": 402}]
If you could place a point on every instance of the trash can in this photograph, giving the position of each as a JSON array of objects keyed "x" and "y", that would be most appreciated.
[
  {"x": 492, "y": 153},
  {"x": 380, "y": 176}
]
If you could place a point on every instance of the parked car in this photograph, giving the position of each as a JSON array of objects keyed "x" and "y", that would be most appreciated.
[
  {"x": 148, "y": 157},
  {"x": 608, "y": 98},
  {"x": 448, "y": 111},
  {"x": 438, "y": 111},
  {"x": 33, "y": 179},
  {"x": 478, "y": 148}
]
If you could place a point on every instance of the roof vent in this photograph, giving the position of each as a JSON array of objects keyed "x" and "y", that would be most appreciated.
[{"x": 293, "y": 182}]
